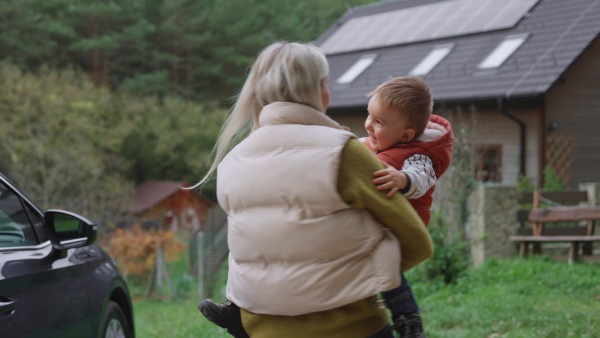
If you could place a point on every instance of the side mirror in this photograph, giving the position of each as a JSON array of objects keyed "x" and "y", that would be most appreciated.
[{"x": 68, "y": 230}]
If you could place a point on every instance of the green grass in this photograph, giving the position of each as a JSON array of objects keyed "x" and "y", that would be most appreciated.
[
  {"x": 534, "y": 297},
  {"x": 173, "y": 319},
  {"x": 177, "y": 317}
]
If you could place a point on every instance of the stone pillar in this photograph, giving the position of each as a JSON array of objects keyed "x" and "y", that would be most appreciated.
[
  {"x": 492, "y": 219},
  {"x": 593, "y": 190}
]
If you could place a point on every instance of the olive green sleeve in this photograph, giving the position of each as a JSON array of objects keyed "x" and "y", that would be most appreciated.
[{"x": 357, "y": 189}]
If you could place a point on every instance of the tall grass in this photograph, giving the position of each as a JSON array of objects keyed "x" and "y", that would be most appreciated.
[{"x": 534, "y": 297}]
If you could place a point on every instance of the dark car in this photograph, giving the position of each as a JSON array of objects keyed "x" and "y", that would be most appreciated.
[{"x": 54, "y": 282}]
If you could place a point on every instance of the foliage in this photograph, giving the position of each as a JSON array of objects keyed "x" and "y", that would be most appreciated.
[
  {"x": 171, "y": 140},
  {"x": 70, "y": 144},
  {"x": 551, "y": 179},
  {"x": 182, "y": 313},
  {"x": 454, "y": 187},
  {"x": 135, "y": 249},
  {"x": 60, "y": 135},
  {"x": 194, "y": 49},
  {"x": 521, "y": 298},
  {"x": 174, "y": 319},
  {"x": 528, "y": 298},
  {"x": 91, "y": 145},
  {"x": 451, "y": 256},
  {"x": 525, "y": 183},
  {"x": 184, "y": 285},
  {"x": 449, "y": 221}
]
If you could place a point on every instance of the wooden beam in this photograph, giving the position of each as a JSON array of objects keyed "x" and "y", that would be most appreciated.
[
  {"x": 562, "y": 197},
  {"x": 564, "y": 214},
  {"x": 555, "y": 238}
]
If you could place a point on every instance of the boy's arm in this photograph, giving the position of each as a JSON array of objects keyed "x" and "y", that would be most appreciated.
[
  {"x": 419, "y": 170},
  {"x": 356, "y": 189},
  {"x": 413, "y": 180}
]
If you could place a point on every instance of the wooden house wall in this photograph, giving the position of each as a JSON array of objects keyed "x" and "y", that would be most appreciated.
[
  {"x": 489, "y": 127},
  {"x": 574, "y": 103}
]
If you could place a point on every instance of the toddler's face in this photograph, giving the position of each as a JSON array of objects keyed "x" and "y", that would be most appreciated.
[{"x": 384, "y": 126}]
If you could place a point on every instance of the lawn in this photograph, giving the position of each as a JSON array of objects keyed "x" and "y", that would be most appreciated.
[{"x": 534, "y": 297}]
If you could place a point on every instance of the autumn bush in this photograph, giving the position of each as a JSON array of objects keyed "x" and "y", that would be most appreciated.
[{"x": 135, "y": 249}]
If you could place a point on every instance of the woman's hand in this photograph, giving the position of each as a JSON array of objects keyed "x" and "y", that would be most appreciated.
[{"x": 389, "y": 178}]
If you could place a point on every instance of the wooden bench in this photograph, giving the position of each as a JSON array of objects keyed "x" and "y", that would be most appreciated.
[
  {"x": 574, "y": 234},
  {"x": 554, "y": 198}
]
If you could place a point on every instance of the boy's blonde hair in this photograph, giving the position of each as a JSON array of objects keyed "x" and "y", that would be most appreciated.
[
  {"x": 409, "y": 96},
  {"x": 282, "y": 72}
]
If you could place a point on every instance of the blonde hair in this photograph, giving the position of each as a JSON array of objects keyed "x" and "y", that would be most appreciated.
[
  {"x": 282, "y": 72},
  {"x": 409, "y": 96}
]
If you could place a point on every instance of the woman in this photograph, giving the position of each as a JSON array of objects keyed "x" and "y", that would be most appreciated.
[{"x": 312, "y": 241}]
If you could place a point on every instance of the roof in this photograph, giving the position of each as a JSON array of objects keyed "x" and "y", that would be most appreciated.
[
  {"x": 556, "y": 34},
  {"x": 150, "y": 193}
]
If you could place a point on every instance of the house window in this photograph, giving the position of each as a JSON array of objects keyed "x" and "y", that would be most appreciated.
[
  {"x": 504, "y": 50},
  {"x": 489, "y": 163},
  {"x": 432, "y": 59},
  {"x": 357, "y": 68}
]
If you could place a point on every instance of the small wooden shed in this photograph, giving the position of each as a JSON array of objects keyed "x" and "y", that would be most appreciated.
[{"x": 171, "y": 206}]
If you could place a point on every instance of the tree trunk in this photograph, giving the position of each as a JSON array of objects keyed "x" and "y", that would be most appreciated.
[
  {"x": 175, "y": 69},
  {"x": 95, "y": 73},
  {"x": 106, "y": 69}
]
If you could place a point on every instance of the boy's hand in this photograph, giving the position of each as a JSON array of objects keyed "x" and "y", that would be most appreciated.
[{"x": 389, "y": 178}]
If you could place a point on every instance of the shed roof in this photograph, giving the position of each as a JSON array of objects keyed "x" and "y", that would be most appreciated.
[
  {"x": 150, "y": 193},
  {"x": 557, "y": 33}
]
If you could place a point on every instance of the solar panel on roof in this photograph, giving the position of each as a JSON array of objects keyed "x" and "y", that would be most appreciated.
[
  {"x": 391, "y": 28},
  {"x": 403, "y": 28},
  {"x": 510, "y": 15},
  {"x": 426, "y": 22},
  {"x": 425, "y": 28},
  {"x": 462, "y": 13}
]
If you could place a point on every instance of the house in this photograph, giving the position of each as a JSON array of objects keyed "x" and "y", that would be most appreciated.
[
  {"x": 166, "y": 204},
  {"x": 525, "y": 72}
]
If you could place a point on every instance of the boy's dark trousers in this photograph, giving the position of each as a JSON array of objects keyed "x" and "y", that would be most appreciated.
[
  {"x": 401, "y": 300},
  {"x": 405, "y": 311}
]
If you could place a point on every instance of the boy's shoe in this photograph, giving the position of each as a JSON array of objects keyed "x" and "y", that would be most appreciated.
[
  {"x": 226, "y": 315},
  {"x": 409, "y": 326}
]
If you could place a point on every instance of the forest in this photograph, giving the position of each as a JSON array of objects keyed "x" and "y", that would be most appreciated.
[{"x": 98, "y": 96}]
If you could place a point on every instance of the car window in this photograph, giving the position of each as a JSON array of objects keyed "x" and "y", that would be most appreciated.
[{"x": 15, "y": 228}]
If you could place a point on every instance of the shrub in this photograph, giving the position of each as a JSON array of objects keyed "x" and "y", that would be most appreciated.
[
  {"x": 135, "y": 249},
  {"x": 451, "y": 256},
  {"x": 525, "y": 183},
  {"x": 551, "y": 179}
]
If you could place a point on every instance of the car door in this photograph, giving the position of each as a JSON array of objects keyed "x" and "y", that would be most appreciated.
[{"x": 42, "y": 293}]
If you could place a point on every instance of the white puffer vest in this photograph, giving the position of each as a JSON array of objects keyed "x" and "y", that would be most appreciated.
[{"x": 295, "y": 246}]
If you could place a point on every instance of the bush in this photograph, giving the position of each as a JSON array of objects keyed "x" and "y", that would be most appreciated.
[
  {"x": 185, "y": 284},
  {"x": 551, "y": 179},
  {"x": 135, "y": 249},
  {"x": 451, "y": 256}
]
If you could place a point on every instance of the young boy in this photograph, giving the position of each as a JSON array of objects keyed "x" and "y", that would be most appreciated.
[{"x": 415, "y": 148}]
